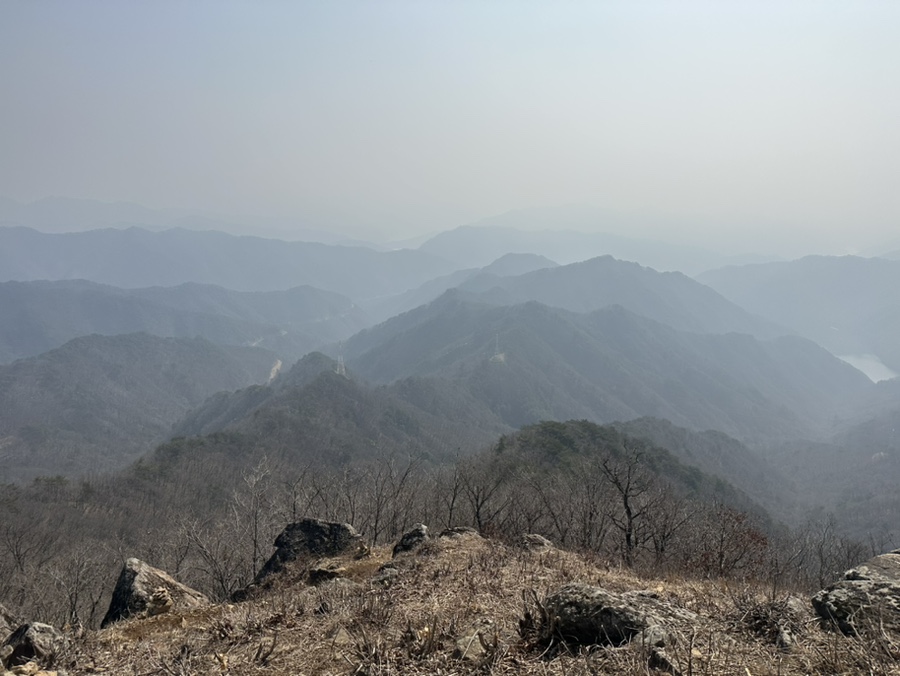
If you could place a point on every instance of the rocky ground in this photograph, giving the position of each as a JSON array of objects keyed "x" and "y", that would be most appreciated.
[{"x": 458, "y": 604}]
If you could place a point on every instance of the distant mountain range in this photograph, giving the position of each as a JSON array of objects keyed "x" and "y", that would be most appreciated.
[
  {"x": 508, "y": 265},
  {"x": 98, "y": 402},
  {"x": 566, "y": 234},
  {"x": 667, "y": 297},
  {"x": 40, "y": 316},
  {"x": 571, "y": 234},
  {"x": 136, "y": 258},
  {"x": 531, "y": 362},
  {"x": 847, "y": 304},
  {"x": 478, "y": 333},
  {"x": 67, "y": 214}
]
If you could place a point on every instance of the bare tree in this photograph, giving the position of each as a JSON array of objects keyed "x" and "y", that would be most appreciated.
[
  {"x": 483, "y": 484},
  {"x": 633, "y": 486},
  {"x": 728, "y": 542}
]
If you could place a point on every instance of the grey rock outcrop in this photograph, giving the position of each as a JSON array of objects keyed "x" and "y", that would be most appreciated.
[
  {"x": 582, "y": 615},
  {"x": 585, "y": 615},
  {"x": 8, "y": 622},
  {"x": 869, "y": 595},
  {"x": 309, "y": 538},
  {"x": 412, "y": 540},
  {"x": 143, "y": 590},
  {"x": 34, "y": 642}
]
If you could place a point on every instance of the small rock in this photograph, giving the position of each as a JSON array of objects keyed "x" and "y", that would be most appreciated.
[
  {"x": 784, "y": 639},
  {"x": 659, "y": 660},
  {"x": 318, "y": 575},
  {"x": 535, "y": 541},
  {"x": 341, "y": 638},
  {"x": 27, "y": 669},
  {"x": 458, "y": 531},
  {"x": 411, "y": 540},
  {"x": 470, "y": 645},
  {"x": 385, "y": 575}
]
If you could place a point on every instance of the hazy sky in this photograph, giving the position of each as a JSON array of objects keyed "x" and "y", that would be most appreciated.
[{"x": 744, "y": 120}]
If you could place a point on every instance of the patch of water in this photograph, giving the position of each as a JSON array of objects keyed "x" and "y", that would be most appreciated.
[{"x": 871, "y": 365}]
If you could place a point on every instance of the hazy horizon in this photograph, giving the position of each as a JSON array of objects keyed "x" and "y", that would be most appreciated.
[{"x": 766, "y": 127}]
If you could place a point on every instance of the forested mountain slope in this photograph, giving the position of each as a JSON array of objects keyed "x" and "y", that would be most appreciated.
[
  {"x": 719, "y": 455},
  {"x": 531, "y": 362},
  {"x": 668, "y": 297},
  {"x": 853, "y": 476},
  {"x": 98, "y": 402}
]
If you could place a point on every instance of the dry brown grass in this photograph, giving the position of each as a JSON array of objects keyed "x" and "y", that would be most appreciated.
[{"x": 411, "y": 626}]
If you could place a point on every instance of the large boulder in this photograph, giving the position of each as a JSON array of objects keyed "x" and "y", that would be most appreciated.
[
  {"x": 309, "y": 538},
  {"x": 143, "y": 590},
  {"x": 34, "y": 642},
  {"x": 868, "y": 596}
]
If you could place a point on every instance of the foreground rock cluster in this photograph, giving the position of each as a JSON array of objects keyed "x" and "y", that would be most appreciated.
[
  {"x": 457, "y": 602},
  {"x": 868, "y": 597}
]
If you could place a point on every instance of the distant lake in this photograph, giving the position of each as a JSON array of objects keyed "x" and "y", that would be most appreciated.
[{"x": 869, "y": 364}]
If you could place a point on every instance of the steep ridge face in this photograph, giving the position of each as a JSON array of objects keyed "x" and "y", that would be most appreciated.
[
  {"x": 97, "y": 402},
  {"x": 41, "y": 316},
  {"x": 846, "y": 304},
  {"x": 670, "y": 297},
  {"x": 531, "y": 362}
]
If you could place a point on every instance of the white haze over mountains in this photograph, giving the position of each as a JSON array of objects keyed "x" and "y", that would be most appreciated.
[{"x": 762, "y": 127}]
